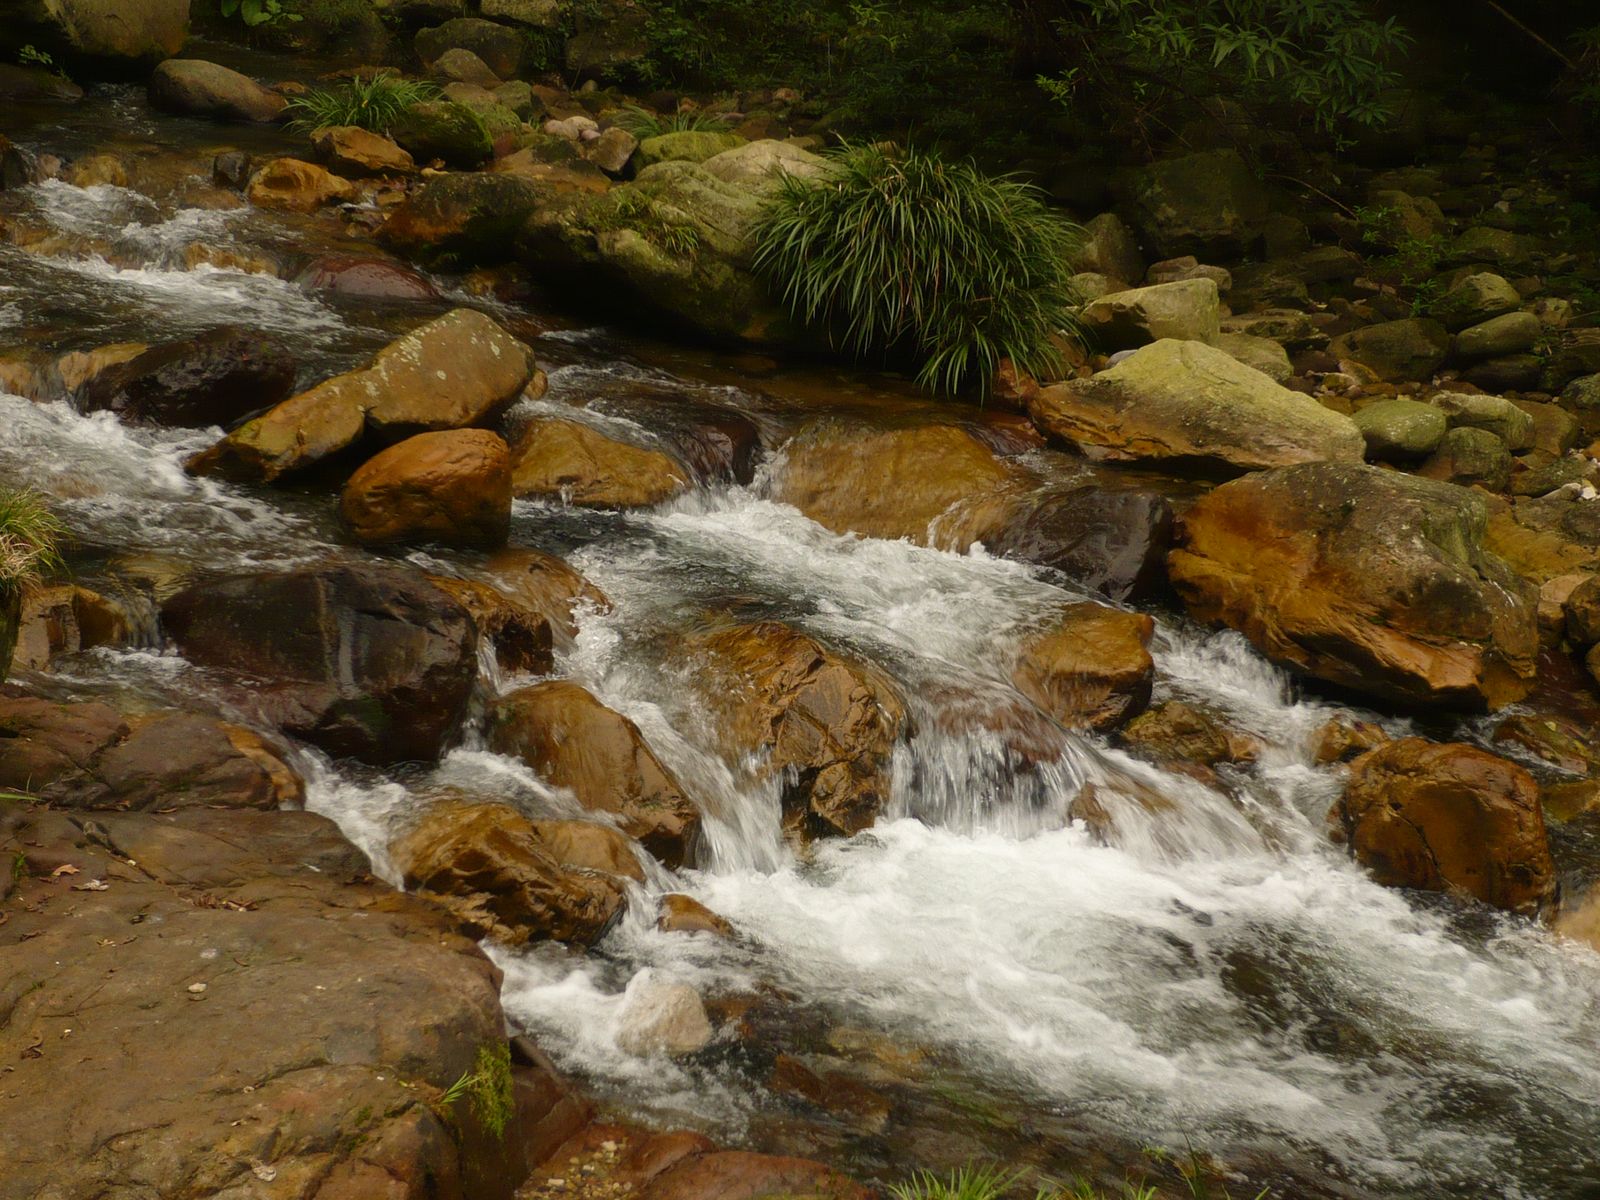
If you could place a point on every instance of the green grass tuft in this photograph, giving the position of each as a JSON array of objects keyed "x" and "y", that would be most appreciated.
[
  {"x": 30, "y": 539},
  {"x": 643, "y": 123},
  {"x": 900, "y": 253},
  {"x": 374, "y": 103},
  {"x": 488, "y": 1086}
]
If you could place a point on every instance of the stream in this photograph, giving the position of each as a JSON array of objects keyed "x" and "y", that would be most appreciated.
[{"x": 977, "y": 976}]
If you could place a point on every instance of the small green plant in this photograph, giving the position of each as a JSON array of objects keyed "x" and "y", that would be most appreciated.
[
  {"x": 487, "y": 1086},
  {"x": 993, "y": 1183},
  {"x": 643, "y": 123},
  {"x": 30, "y": 540},
  {"x": 31, "y": 56},
  {"x": 898, "y": 253},
  {"x": 257, "y": 12},
  {"x": 374, "y": 103}
]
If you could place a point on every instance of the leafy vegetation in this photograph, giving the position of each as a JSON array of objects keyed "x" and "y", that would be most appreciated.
[
  {"x": 995, "y": 1183},
  {"x": 373, "y": 103},
  {"x": 487, "y": 1086},
  {"x": 1404, "y": 260},
  {"x": 30, "y": 540},
  {"x": 899, "y": 253},
  {"x": 31, "y": 56},
  {"x": 643, "y": 123},
  {"x": 257, "y": 12}
]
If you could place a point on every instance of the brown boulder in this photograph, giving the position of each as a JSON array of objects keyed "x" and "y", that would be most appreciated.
[
  {"x": 488, "y": 866},
  {"x": 547, "y": 585},
  {"x": 453, "y": 486},
  {"x": 1110, "y": 540},
  {"x": 351, "y": 150},
  {"x": 1090, "y": 669},
  {"x": 590, "y": 846},
  {"x": 522, "y": 636},
  {"x": 215, "y": 378},
  {"x": 458, "y": 370},
  {"x": 290, "y": 185},
  {"x": 360, "y": 278},
  {"x": 1449, "y": 818},
  {"x": 1174, "y": 731},
  {"x": 825, "y": 725},
  {"x": 66, "y": 618},
  {"x": 200, "y": 88},
  {"x": 566, "y": 460},
  {"x": 684, "y": 914},
  {"x": 1368, "y": 579},
  {"x": 575, "y": 742},
  {"x": 371, "y": 662}
]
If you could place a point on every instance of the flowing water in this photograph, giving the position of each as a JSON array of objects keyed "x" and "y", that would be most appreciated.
[{"x": 977, "y": 975}]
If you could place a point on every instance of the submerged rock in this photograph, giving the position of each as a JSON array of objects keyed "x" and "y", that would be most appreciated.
[
  {"x": 453, "y": 486},
  {"x": 1189, "y": 405},
  {"x": 575, "y": 742},
  {"x": 215, "y": 378},
  {"x": 370, "y": 662},
  {"x": 1091, "y": 668},
  {"x": 1449, "y": 818},
  {"x": 1365, "y": 578},
  {"x": 488, "y": 866}
]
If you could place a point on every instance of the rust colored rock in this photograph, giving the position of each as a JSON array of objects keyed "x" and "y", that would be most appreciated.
[
  {"x": 685, "y": 914},
  {"x": 824, "y": 724},
  {"x": 591, "y": 846},
  {"x": 351, "y": 150},
  {"x": 574, "y": 741},
  {"x": 523, "y": 638},
  {"x": 488, "y": 866},
  {"x": 453, "y": 486},
  {"x": 547, "y": 585},
  {"x": 1449, "y": 818},
  {"x": 290, "y": 185},
  {"x": 1341, "y": 740},
  {"x": 1091, "y": 669},
  {"x": 1178, "y": 732},
  {"x": 566, "y": 460},
  {"x": 1365, "y": 578}
]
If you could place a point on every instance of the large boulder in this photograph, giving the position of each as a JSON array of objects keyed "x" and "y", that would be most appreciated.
[
  {"x": 610, "y": 36},
  {"x": 215, "y": 378},
  {"x": 1187, "y": 310},
  {"x": 458, "y": 370},
  {"x": 195, "y": 87},
  {"x": 116, "y": 33},
  {"x": 440, "y": 129},
  {"x": 1090, "y": 669},
  {"x": 1211, "y": 204},
  {"x": 1509, "y": 334},
  {"x": 559, "y": 459},
  {"x": 688, "y": 145},
  {"x": 1449, "y": 818},
  {"x": 575, "y": 742},
  {"x": 1369, "y": 579},
  {"x": 488, "y": 866},
  {"x": 677, "y": 240},
  {"x": 1474, "y": 298},
  {"x": 1398, "y": 351},
  {"x": 1110, "y": 540},
  {"x": 1512, "y": 425},
  {"x": 502, "y": 49},
  {"x": 464, "y": 218},
  {"x": 370, "y": 662},
  {"x": 822, "y": 724},
  {"x": 452, "y": 486},
  {"x": 762, "y": 165},
  {"x": 88, "y": 755},
  {"x": 292, "y": 185},
  {"x": 1192, "y": 406}
]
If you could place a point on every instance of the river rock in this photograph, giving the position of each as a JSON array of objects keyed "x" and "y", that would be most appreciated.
[
  {"x": 1190, "y": 405},
  {"x": 441, "y": 129},
  {"x": 371, "y": 662},
  {"x": 547, "y": 585},
  {"x": 824, "y": 725},
  {"x": 250, "y": 959},
  {"x": 1509, "y": 334},
  {"x": 458, "y": 370},
  {"x": 1187, "y": 310},
  {"x": 1369, "y": 579},
  {"x": 353, "y": 151},
  {"x": 577, "y": 463},
  {"x": 502, "y": 49},
  {"x": 762, "y": 165},
  {"x": 690, "y": 145},
  {"x": 204, "y": 89},
  {"x": 1470, "y": 457},
  {"x": 1210, "y": 204},
  {"x": 88, "y": 755},
  {"x": 591, "y": 846},
  {"x": 457, "y": 65},
  {"x": 523, "y": 638},
  {"x": 1397, "y": 351},
  {"x": 1474, "y": 298},
  {"x": 453, "y": 486},
  {"x": 364, "y": 278},
  {"x": 1110, "y": 540},
  {"x": 609, "y": 36},
  {"x": 541, "y": 14},
  {"x": 1177, "y": 732},
  {"x": 1511, "y": 424},
  {"x": 463, "y": 218},
  {"x": 684, "y": 914},
  {"x": 486, "y": 864},
  {"x": 66, "y": 618},
  {"x": 1449, "y": 818},
  {"x": 659, "y": 1017},
  {"x": 936, "y": 484},
  {"x": 1259, "y": 353},
  {"x": 114, "y": 33},
  {"x": 1091, "y": 668},
  {"x": 575, "y": 742},
  {"x": 677, "y": 240},
  {"x": 1108, "y": 247},
  {"x": 290, "y": 185},
  {"x": 1401, "y": 430},
  {"x": 215, "y": 378}
]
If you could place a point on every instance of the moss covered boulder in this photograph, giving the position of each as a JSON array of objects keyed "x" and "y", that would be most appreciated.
[
  {"x": 444, "y": 130},
  {"x": 1210, "y": 204},
  {"x": 690, "y": 145},
  {"x": 465, "y": 219}
]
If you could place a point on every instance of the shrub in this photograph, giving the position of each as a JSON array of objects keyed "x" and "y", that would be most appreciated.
[
  {"x": 374, "y": 103},
  {"x": 30, "y": 540},
  {"x": 899, "y": 253}
]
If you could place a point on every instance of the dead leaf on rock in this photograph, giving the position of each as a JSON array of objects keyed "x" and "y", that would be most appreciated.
[{"x": 64, "y": 869}]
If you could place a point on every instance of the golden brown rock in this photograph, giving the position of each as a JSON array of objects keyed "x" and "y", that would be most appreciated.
[
  {"x": 575, "y": 742},
  {"x": 453, "y": 486},
  {"x": 547, "y": 585},
  {"x": 351, "y": 150},
  {"x": 685, "y": 914},
  {"x": 566, "y": 460},
  {"x": 1449, "y": 818},
  {"x": 589, "y": 845},
  {"x": 290, "y": 185},
  {"x": 1090, "y": 669},
  {"x": 523, "y": 638}
]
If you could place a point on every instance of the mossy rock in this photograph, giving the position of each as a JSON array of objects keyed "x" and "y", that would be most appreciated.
[
  {"x": 464, "y": 219},
  {"x": 689, "y": 146},
  {"x": 444, "y": 130}
]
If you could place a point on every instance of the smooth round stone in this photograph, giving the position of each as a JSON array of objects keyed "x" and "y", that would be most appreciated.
[{"x": 1400, "y": 429}]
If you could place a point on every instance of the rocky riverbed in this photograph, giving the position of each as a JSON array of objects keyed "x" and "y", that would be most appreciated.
[{"x": 481, "y": 751}]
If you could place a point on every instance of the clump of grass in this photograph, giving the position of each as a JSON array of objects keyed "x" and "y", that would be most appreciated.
[
  {"x": 643, "y": 123},
  {"x": 900, "y": 253},
  {"x": 488, "y": 1087},
  {"x": 30, "y": 540},
  {"x": 373, "y": 103},
  {"x": 993, "y": 1183}
]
